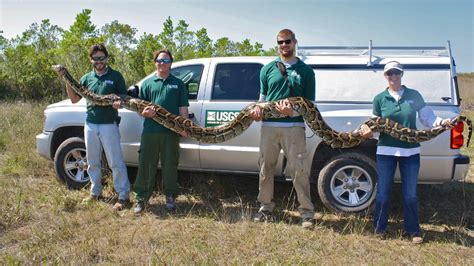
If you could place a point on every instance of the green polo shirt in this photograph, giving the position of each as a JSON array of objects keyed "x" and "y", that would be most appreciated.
[
  {"x": 402, "y": 111},
  {"x": 169, "y": 93},
  {"x": 275, "y": 87},
  {"x": 110, "y": 82}
]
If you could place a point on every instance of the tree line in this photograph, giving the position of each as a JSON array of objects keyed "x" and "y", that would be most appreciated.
[{"x": 25, "y": 60}]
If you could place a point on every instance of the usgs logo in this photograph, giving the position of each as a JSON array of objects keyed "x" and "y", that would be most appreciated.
[{"x": 219, "y": 117}]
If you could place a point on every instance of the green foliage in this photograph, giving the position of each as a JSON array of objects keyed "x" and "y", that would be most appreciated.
[
  {"x": 74, "y": 47},
  {"x": 25, "y": 61},
  {"x": 119, "y": 35},
  {"x": 28, "y": 60},
  {"x": 142, "y": 57},
  {"x": 203, "y": 44},
  {"x": 3, "y": 42},
  {"x": 224, "y": 47},
  {"x": 166, "y": 37},
  {"x": 184, "y": 41},
  {"x": 119, "y": 40},
  {"x": 3, "y": 142}
]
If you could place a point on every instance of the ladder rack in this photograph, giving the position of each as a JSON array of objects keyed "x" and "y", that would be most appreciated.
[{"x": 375, "y": 51}]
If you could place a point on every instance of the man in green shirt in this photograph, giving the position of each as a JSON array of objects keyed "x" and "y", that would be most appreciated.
[
  {"x": 157, "y": 141},
  {"x": 101, "y": 131},
  {"x": 286, "y": 76}
]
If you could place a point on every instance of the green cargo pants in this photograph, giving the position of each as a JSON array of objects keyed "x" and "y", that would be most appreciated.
[{"x": 154, "y": 146}]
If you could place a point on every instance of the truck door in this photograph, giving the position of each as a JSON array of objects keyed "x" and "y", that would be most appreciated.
[
  {"x": 233, "y": 85},
  {"x": 192, "y": 76}
]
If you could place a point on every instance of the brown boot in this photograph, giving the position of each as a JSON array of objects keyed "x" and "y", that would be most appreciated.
[{"x": 121, "y": 204}]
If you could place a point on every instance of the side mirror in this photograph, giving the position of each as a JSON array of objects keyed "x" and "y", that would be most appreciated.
[{"x": 132, "y": 91}]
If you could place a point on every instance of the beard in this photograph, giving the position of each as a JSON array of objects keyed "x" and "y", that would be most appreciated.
[
  {"x": 286, "y": 51},
  {"x": 99, "y": 66}
]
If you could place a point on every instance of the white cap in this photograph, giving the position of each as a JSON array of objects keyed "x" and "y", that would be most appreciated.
[{"x": 392, "y": 65}]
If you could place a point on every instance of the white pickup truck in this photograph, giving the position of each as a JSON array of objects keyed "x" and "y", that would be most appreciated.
[{"x": 347, "y": 79}]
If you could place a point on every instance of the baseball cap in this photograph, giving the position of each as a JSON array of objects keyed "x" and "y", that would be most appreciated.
[{"x": 392, "y": 65}]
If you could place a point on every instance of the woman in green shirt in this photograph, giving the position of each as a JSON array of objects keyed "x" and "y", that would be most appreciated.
[{"x": 400, "y": 104}]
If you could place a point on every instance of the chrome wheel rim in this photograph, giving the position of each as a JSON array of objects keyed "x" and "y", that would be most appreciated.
[
  {"x": 75, "y": 165},
  {"x": 351, "y": 186}
]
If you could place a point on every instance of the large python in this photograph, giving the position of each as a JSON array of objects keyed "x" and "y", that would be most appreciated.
[{"x": 243, "y": 120}]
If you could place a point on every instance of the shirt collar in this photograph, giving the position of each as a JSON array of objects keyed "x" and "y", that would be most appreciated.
[
  {"x": 105, "y": 73},
  {"x": 295, "y": 62},
  {"x": 401, "y": 92},
  {"x": 159, "y": 78}
]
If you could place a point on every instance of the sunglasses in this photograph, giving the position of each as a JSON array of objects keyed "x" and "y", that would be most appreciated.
[
  {"x": 99, "y": 58},
  {"x": 284, "y": 41},
  {"x": 164, "y": 61},
  {"x": 393, "y": 72}
]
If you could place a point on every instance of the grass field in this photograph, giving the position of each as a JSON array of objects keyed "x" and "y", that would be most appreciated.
[{"x": 42, "y": 222}]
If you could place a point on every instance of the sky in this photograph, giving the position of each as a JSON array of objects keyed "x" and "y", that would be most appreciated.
[{"x": 315, "y": 22}]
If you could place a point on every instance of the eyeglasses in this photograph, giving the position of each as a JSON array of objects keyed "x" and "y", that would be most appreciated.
[
  {"x": 99, "y": 58},
  {"x": 393, "y": 72},
  {"x": 284, "y": 41},
  {"x": 164, "y": 61}
]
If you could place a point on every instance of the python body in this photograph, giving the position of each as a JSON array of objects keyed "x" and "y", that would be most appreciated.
[{"x": 239, "y": 124}]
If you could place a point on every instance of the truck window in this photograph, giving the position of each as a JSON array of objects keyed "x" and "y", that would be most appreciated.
[
  {"x": 363, "y": 85},
  {"x": 236, "y": 81},
  {"x": 191, "y": 76}
]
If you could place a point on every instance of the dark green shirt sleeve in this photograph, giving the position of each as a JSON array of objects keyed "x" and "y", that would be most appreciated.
[
  {"x": 83, "y": 80},
  {"x": 143, "y": 93},
  {"x": 121, "y": 87},
  {"x": 376, "y": 107},
  {"x": 183, "y": 95},
  {"x": 310, "y": 86},
  {"x": 419, "y": 102},
  {"x": 263, "y": 81}
]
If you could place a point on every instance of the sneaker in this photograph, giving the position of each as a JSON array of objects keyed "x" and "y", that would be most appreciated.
[
  {"x": 417, "y": 239},
  {"x": 139, "y": 207},
  {"x": 121, "y": 204},
  {"x": 91, "y": 198},
  {"x": 308, "y": 223},
  {"x": 263, "y": 216},
  {"x": 170, "y": 204}
]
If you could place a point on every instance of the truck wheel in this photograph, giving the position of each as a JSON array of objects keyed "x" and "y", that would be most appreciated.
[
  {"x": 70, "y": 163},
  {"x": 348, "y": 183}
]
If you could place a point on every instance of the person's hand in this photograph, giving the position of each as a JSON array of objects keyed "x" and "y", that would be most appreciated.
[
  {"x": 256, "y": 113},
  {"x": 148, "y": 112},
  {"x": 366, "y": 132},
  {"x": 61, "y": 72},
  {"x": 117, "y": 104},
  {"x": 446, "y": 122},
  {"x": 284, "y": 107},
  {"x": 184, "y": 134}
]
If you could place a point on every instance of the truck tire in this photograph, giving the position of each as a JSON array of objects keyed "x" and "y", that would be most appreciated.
[
  {"x": 70, "y": 163},
  {"x": 347, "y": 183}
]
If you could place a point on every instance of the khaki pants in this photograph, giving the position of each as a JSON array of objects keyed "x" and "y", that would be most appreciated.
[{"x": 293, "y": 142}]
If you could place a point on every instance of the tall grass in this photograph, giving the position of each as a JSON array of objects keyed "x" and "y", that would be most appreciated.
[
  {"x": 19, "y": 160},
  {"x": 20, "y": 123},
  {"x": 42, "y": 222},
  {"x": 466, "y": 88}
]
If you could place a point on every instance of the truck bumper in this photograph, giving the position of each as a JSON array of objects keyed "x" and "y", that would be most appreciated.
[
  {"x": 460, "y": 167},
  {"x": 43, "y": 144}
]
